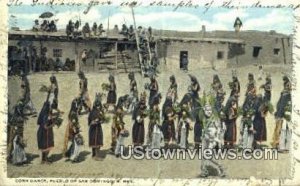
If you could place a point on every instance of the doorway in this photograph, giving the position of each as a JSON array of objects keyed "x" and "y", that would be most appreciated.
[
  {"x": 183, "y": 59},
  {"x": 256, "y": 50}
]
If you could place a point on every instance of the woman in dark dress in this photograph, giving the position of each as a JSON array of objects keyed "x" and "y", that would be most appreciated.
[
  {"x": 198, "y": 132},
  {"x": 95, "y": 119},
  {"x": 153, "y": 90},
  {"x": 230, "y": 122},
  {"x": 154, "y": 117},
  {"x": 194, "y": 90},
  {"x": 45, "y": 136},
  {"x": 259, "y": 122},
  {"x": 138, "y": 128},
  {"x": 168, "y": 126}
]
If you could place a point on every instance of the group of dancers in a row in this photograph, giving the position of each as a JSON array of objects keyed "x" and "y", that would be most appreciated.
[{"x": 212, "y": 121}]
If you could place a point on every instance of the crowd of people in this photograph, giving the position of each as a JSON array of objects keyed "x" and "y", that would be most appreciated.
[
  {"x": 23, "y": 60},
  {"x": 73, "y": 29},
  {"x": 214, "y": 124},
  {"x": 46, "y": 26},
  {"x": 146, "y": 44}
]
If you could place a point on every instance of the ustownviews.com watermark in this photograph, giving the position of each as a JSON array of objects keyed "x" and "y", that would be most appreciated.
[{"x": 139, "y": 153}]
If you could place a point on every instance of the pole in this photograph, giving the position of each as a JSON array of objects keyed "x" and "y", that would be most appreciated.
[
  {"x": 137, "y": 41},
  {"x": 116, "y": 58},
  {"x": 107, "y": 30}
]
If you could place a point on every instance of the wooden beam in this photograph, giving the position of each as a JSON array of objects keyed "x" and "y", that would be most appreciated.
[
  {"x": 116, "y": 60},
  {"x": 77, "y": 58},
  {"x": 283, "y": 50},
  {"x": 137, "y": 41}
]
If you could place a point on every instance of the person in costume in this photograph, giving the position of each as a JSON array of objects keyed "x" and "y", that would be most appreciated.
[
  {"x": 72, "y": 135},
  {"x": 286, "y": 130},
  {"x": 231, "y": 113},
  {"x": 284, "y": 99},
  {"x": 153, "y": 88},
  {"x": 194, "y": 90},
  {"x": 118, "y": 125},
  {"x": 235, "y": 87},
  {"x": 246, "y": 129},
  {"x": 267, "y": 88},
  {"x": 95, "y": 120},
  {"x": 119, "y": 133},
  {"x": 26, "y": 97},
  {"x": 112, "y": 94},
  {"x": 251, "y": 87},
  {"x": 210, "y": 140},
  {"x": 45, "y": 135},
  {"x": 53, "y": 94},
  {"x": 16, "y": 145},
  {"x": 168, "y": 126},
  {"x": 198, "y": 127},
  {"x": 248, "y": 112},
  {"x": 133, "y": 92},
  {"x": 83, "y": 99},
  {"x": 184, "y": 126},
  {"x": 259, "y": 122},
  {"x": 216, "y": 85},
  {"x": 138, "y": 128},
  {"x": 154, "y": 118},
  {"x": 172, "y": 90}
]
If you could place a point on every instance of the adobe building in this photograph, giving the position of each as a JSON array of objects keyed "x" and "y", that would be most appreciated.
[
  {"x": 221, "y": 49},
  {"x": 103, "y": 53},
  {"x": 216, "y": 49},
  {"x": 260, "y": 47}
]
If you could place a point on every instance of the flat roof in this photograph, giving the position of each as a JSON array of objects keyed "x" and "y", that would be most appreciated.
[
  {"x": 61, "y": 35},
  {"x": 205, "y": 39}
]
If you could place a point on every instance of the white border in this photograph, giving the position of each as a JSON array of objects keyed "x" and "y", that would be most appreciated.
[{"x": 295, "y": 173}]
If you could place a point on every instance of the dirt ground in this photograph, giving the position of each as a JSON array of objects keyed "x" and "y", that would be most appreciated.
[{"x": 111, "y": 166}]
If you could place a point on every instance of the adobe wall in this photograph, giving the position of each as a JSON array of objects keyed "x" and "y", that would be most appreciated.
[
  {"x": 200, "y": 54},
  {"x": 268, "y": 41}
]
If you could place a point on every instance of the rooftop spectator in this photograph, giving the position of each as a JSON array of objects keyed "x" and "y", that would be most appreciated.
[
  {"x": 100, "y": 29},
  {"x": 52, "y": 27},
  {"x": 70, "y": 28},
  {"x": 77, "y": 26},
  {"x": 139, "y": 30},
  {"x": 94, "y": 29},
  {"x": 86, "y": 30},
  {"x": 150, "y": 32},
  {"x": 44, "y": 25},
  {"x": 131, "y": 32},
  {"x": 36, "y": 26},
  {"x": 116, "y": 29},
  {"x": 124, "y": 30}
]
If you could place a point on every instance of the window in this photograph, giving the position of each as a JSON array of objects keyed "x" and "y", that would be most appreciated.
[
  {"x": 57, "y": 52},
  {"x": 276, "y": 51},
  {"x": 256, "y": 50},
  {"x": 220, "y": 55}
]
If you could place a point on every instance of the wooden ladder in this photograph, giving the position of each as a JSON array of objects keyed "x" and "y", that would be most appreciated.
[{"x": 142, "y": 67}]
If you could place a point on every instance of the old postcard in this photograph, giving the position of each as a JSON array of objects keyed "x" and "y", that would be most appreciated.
[{"x": 149, "y": 92}]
